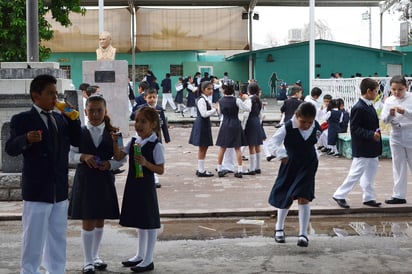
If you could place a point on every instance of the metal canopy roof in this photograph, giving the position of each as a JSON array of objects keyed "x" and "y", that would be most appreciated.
[{"x": 241, "y": 3}]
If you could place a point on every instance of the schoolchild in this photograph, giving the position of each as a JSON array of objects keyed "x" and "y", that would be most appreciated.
[
  {"x": 397, "y": 111},
  {"x": 179, "y": 95},
  {"x": 83, "y": 88},
  {"x": 323, "y": 108},
  {"x": 140, "y": 207},
  {"x": 321, "y": 118},
  {"x": 283, "y": 92},
  {"x": 43, "y": 137},
  {"x": 166, "y": 85},
  {"x": 366, "y": 147},
  {"x": 290, "y": 105},
  {"x": 313, "y": 98},
  {"x": 294, "y": 146},
  {"x": 196, "y": 79},
  {"x": 345, "y": 118},
  {"x": 230, "y": 132},
  {"x": 94, "y": 196},
  {"x": 155, "y": 84},
  {"x": 191, "y": 97},
  {"x": 139, "y": 100},
  {"x": 334, "y": 117},
  {"x": 90, "y": 91},
  {"x": 151, "y": 99},
  {"x": 253, "y": 129},
  {"x": 216, "y": 89},
  {"x": 201, "y": 134}
]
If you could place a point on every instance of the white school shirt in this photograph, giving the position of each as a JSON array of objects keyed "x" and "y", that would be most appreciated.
[
  {"x": 277, "y": 148},
  {"x": 97, "y": 135},
  {"x": 401, "y": 132},
  {"x": 179, "y": 86},
  {"x": 201, "y": 105},
  {"x": 191, "y": 87},
  {"x": 316, "y": 104},
  {"x": 158, "y": 151}
]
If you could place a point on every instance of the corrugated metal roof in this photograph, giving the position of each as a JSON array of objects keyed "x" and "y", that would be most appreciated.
[
  {"x": 242, "y": 3},
  {"x": 245, "y": 55}
]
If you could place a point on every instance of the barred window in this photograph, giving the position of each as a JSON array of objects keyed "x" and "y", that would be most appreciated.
[
  {"x": 140, "y": 72},
  {"x": 67, "y": 69},
  {"x": 176, "y": 70}
]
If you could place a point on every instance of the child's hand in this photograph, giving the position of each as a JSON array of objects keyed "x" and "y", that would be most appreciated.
[
  {"x": 392, "y": 111},
  {"x": 104, "y": 165},
  {"x": 34, "y": 136},
  {"x": 89, "y": 160},
  {"x": 400, "y": 110},
  {"x": 377, "y": 136},
  {"x": 140, "y": 159},
  {"x": 115, "y": 136},
  {"x": 284, "y": 160}
]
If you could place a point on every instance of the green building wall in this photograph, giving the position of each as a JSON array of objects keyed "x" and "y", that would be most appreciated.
[
  {"x": 159, "y": 63},
  {"x": 407, "y": 61},
  {"x": 291, "y": 62}
]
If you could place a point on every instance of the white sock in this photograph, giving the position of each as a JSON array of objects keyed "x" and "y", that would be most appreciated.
[
  {"x": 87, "y": 239},
  {"x": 219, "y": 168},
  {"x": 257, "y": 162},
  {"x": 141, "y": 248},
  {"x": 280, "y": 220},
  {"x": 151, "y": 241},
  {"x": 240, "y": 169},
  {"x": 252, "y": 162},
  {"x": 97, "y": 239},
  {"x": 201, "y": 165},
  {"x": 304, "y": 217},
  {"x": 192, "y": 111}
]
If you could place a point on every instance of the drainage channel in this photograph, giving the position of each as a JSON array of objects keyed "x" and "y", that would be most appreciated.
[{"x": 217, "y": 228}]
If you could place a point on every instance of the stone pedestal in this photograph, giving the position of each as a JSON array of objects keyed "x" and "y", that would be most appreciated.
[
  {"x": 112, "y": 78},
  {"x": 15, "y": 79}
]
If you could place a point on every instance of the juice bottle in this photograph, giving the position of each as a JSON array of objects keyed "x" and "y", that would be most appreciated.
[
  {"x": 138, "y": 167},
  {"x": 67, "y": 110}
]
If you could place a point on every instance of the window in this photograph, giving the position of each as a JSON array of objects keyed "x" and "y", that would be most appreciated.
[
  {"x": 67, "y": 70},
  {"x": 176, "y": 70},
  {"x": 140, "y": 72}
]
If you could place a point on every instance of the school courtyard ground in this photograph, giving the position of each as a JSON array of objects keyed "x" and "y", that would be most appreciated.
[{"x": 225, "y": 225}]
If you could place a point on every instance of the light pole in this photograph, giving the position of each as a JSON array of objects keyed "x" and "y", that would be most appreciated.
[{"x": 367, "y": 16}]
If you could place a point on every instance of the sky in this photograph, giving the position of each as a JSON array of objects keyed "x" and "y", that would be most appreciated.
[{"x": 346, "y": 24}]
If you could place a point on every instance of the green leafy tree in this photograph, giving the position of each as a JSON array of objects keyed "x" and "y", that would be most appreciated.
[{"x": 13, "y": 26}]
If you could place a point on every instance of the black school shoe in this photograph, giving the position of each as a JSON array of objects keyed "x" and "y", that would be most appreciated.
[
  {"x": 269, "y": 158},
  {"x": 249, "y": 172},
  {"x": 238, "y": 175},
  {"x": 140, "y": 269},
  {"x": 204, "y": 174},
  {"x": 303, "y": 241},
  {"x": 372, "y": 203},
  {"x": 280, "y": 238},
  {"x": 395, "y": 201},
  {"x": 131, "y": 263},
  {"x": 89, "y": 269},
  {"x": 222, "y": 173},
  {"x": 100, "y": 265}
]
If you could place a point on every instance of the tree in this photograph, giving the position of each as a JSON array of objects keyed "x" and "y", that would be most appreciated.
[
  {"x": 322, "y": 31},
  {"x": 13, "y": 26},
  {"x": 404, "y": 7}
]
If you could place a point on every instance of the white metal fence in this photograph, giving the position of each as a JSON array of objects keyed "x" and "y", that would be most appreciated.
[{"x": 348, "y": 88}]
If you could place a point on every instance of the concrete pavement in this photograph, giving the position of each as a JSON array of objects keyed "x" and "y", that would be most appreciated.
[{"x": 252, "y": 250}]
